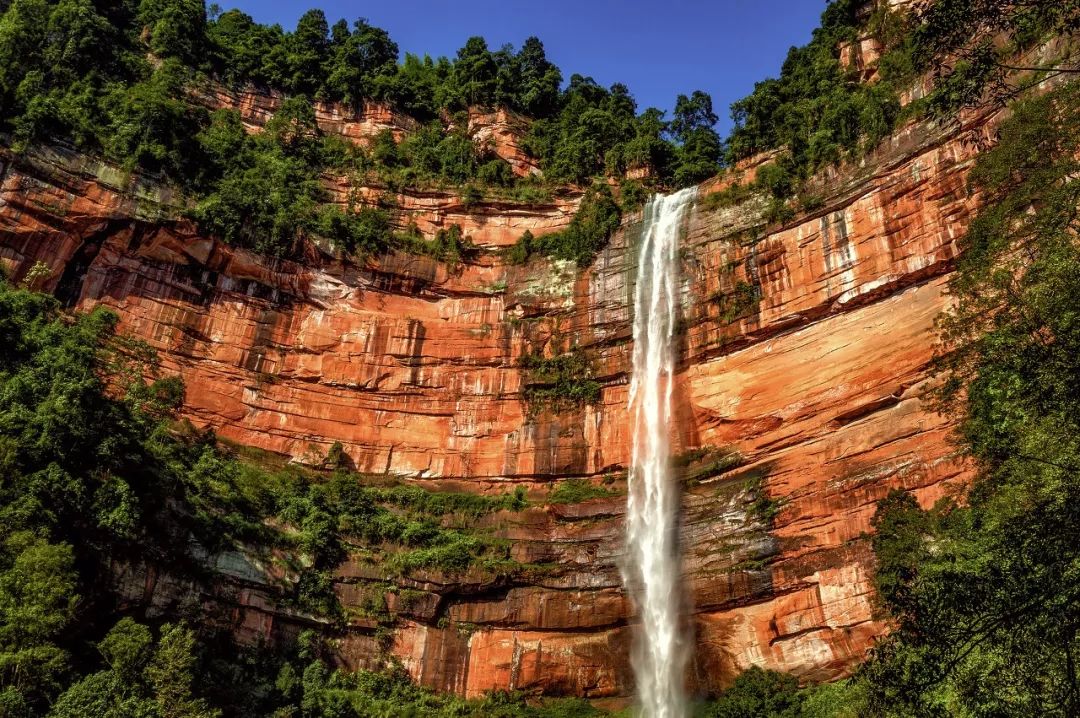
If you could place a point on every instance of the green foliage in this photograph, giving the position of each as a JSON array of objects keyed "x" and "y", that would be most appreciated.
[
  {"x": 775, "y": 181},
  {"x": 574, "y": 491},
  {"x": 598, "y": 131},
  {"x": 737, "y": 303},
  {"x": 336, "y": 458},
  {"x": 518, "y": 253},
  {"x": 475, "y": 77},
  {"x": 63, "y": 448},
  {"x": 117, "y": 78},
  {"x": 759, "y": 693},
  {"x": 496, "y": 172},
  {"x": 592, "y": 121},
  {"x": 37, "y": 604},
  {"x": 175, "y": 28},
  {"x": 537, "y": 90},
  {"x": 900, "y": 545},
  {"x": 449, "y": 245},
  {"x": 763, "y": 507},
  {"x": 730, "y": 196},
  {"x": 402, "y": 528},
  {"x": 268, "y": 193},
  {"x": 775, "y": 178},
  {"x": 120, "y": 80},
  {"x": 318, "y": 691},
  {"x": 699, "y": 148},
  {"x": 981, "y": 588},
  {"x": 559, "y": 383},
  {"x": 706, "y": 462},
  {"x": 952, "y": 44},
  {"x": 597, "y": 218},
  {"x": 965, "y": 83},
  {"x": 434, "y": 155},
  {"x": 819, "y": 112},
  {"x": 632, "y": 195},
  {"x": 359, "y": 231}
]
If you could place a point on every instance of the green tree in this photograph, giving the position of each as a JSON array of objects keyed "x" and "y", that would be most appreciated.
[
  {"x": 119, "y": 690},
  {"x": 269, "y": 194},
  {"x": 699, "y": 145},
  {"x": 360, "y": 58},
  {"x": 818, "y": 110},
  {"x": 142, "y": 678},
  {"x": 23, "y": 29},
  {"x": 177, "y": 28},
  {"x": 37, "y": 603},
  {"x": 758, "y": 693},
  {"x": 538, "y": 81},
  {"x": 475, "y": 76},
  {"x": 245, "y": 51},
  {"x": 171, "y": 674},
  {"x": 308, "y": 53},
  {"x": 151, "y": 125},
  {"x": 647, "y": 149},
  {"x": 415, "y": 87}
]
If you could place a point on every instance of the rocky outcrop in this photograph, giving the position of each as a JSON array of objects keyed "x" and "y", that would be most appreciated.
[
  {"x": 801, "y": 401},
  {"x": 501, "y": 131}
]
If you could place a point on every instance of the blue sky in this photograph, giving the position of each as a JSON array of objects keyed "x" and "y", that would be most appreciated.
[{"x": 658, "y": 48}]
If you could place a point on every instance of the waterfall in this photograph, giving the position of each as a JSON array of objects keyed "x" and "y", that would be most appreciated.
[{"x": 651, "y": 570}]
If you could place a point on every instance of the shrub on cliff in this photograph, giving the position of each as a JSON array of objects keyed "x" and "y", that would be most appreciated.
[
  {"x": 575, "y": 491},
  {"x": 597, "y": 218},
  {"x": 269, "y": 191},
  {"x": 559, "y": 383},
  {"x": 757, "y": 693}
]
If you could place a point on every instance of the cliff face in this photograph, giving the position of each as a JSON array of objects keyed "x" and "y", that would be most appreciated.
[{"x": 805, "y": 353}]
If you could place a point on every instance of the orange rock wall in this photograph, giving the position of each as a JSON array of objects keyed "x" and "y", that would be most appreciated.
[{"x": 819, "y": 384}]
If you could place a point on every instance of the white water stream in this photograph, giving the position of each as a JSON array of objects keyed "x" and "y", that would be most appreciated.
[{"x": 651, "y": 570}]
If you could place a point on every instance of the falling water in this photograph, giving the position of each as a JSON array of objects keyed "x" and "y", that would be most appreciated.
[{"x": 652, "y": 568}]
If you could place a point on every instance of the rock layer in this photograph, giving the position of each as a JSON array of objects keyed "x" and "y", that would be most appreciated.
[{"x": 805, "y": 352}]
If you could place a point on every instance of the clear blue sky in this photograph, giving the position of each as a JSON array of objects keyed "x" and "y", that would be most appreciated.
[{"x": 658, "y": 48}]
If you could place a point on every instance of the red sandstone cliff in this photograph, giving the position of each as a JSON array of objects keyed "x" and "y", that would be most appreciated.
[{"x": 818, "y": 384}]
